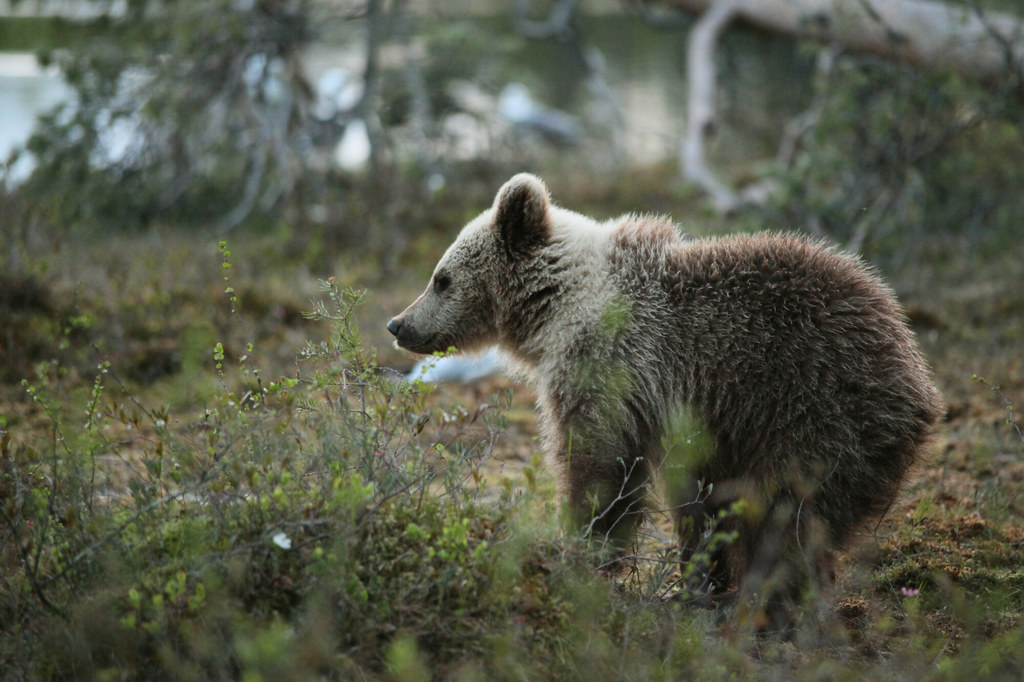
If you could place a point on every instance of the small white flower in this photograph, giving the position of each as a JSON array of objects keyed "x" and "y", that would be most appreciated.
[{"x": 282, "y": 540}]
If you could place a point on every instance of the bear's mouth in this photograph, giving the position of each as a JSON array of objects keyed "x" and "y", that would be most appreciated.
[{"x": 417, "y": 343}]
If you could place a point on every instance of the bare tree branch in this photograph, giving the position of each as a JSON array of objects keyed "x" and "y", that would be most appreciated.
[
  {"x": 561, "y": 24},
  {"x": 422, "y": 119},
  {"x": 930, "y": 34},
  {"x": 797, "y": 129},
  {"x": 1012, "y": 55},
  {"x": 555, "y": 25},
  {"x": 700, "y": 68},
  {"x": 367, "y": 105}
]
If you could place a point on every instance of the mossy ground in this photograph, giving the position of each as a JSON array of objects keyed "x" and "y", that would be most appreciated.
[{"x": 936, "y": 590}]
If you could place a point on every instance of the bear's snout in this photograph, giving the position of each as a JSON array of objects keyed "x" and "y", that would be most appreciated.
[{"x": 411, "y": 336}]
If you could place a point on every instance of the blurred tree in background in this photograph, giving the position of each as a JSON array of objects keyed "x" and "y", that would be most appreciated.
[
  {"x": 209, "y": 114},
  {"x": 913, "y": 129},
  {"x": 181, "y": 111},
  {"x": 898, "y": 157}
]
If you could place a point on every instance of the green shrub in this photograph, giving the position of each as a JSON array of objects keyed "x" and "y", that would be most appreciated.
[
  {"x": 294, "y": 525},
  {"x": 343, "y": 524},
  {"x": 902, "y": 157},
  {"x": 338, "y": 523}
]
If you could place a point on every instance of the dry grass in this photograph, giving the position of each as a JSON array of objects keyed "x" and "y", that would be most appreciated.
[{"x": 937, "y": 590}]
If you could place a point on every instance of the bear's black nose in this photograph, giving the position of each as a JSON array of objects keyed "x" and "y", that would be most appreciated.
[{"x": 393, "y": 326}]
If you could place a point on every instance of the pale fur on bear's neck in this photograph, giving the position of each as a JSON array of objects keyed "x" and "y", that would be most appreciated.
[{"x": 581, "y": 245}]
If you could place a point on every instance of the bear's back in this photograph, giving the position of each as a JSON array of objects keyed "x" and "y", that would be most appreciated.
[{"x": 750, "y": 292}]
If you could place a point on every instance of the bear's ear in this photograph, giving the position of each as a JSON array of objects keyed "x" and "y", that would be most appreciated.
[{"x": 521, "y": 214}]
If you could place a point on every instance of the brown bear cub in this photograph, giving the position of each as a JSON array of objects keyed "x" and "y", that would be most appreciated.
[{"x": 767, "y": 369}]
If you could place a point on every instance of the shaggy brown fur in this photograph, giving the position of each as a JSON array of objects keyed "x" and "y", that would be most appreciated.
[{"x": 791, "y": 362}]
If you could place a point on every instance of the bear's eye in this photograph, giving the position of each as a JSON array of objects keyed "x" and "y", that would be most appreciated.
[{"x": 441, "y": 283}]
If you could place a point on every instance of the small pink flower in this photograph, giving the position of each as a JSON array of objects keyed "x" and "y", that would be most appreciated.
[{"x": 910, "y": 591}]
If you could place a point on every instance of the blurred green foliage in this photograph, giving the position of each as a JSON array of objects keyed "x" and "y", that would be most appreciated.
[
  {"x": 181, "y": 111},
  {"x": 901, "y": 158}
]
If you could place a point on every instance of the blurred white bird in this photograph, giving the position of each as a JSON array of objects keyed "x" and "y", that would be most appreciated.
[
  {"x": 353, "y": 149},
  {"x": 337, "y": 92},
  {"x": 458, "y": 368},
  {"x": 516, "y": 106}
]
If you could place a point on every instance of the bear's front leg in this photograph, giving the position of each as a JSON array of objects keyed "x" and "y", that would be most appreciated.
[
  {"x": 704, "y": 568},
  {"x": 607, "y": 482}
]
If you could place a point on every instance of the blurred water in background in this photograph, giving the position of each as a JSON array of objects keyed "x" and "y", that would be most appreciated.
[
  {"x": 26, "y": 90},
  {"x": 761, "y": 84}
]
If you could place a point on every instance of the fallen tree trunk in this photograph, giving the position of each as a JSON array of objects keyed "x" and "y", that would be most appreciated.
[
  {"x": 926, "y": 33},
  {"x": 930, "y": 34}
]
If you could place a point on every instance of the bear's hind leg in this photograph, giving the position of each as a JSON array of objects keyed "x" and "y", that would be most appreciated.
[{"x": 789, "y": 561}]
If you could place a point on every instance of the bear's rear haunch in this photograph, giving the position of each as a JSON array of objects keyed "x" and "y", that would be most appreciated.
[{"x": 771, "y": 369}]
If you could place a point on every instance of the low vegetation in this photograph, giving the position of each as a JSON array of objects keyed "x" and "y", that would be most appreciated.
[{"x": 208, "y": 472}]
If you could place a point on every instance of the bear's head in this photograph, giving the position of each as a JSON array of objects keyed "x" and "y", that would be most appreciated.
[{"x": 463, "y": 304}]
